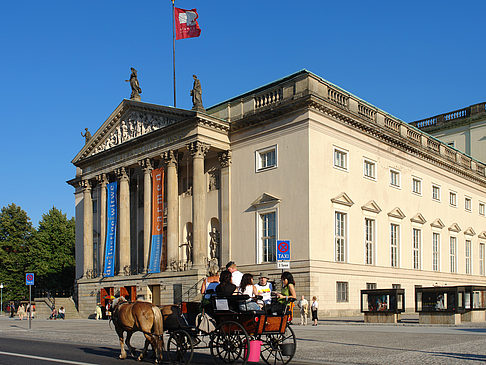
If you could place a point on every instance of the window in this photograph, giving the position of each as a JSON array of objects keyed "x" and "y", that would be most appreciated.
[
  {"x": 452, "y": 199},
  {"x": 395, "y": 178},
  {"x": 340, "y": 159},
  {"x": 481, "y": 259},
  {"x": 370, "y": 286},
  {"x": 436, "y": 251},
  {"x": 268, "y": 235},
  {"x": 481, "y": 208},
  {"x": 468, "y": 257},
  {"x": 452, "y": 254},
  {"x": 266, "y": 158},
  {"x": 342, "y": 291},
  {"x": 467, "y": 204},
  {"x": 417, "y": 237},
  {"x": 369, "y": 169},
  {"x": 369, "y": 241},
  {"x": 394, "y": 244},
  {"x": 340, "y": 236},
  {"x": 396, "y": 286},
  {"x": 95, "y": 206},
  {"x": 436, "y": 192},
  {"x": 417, "y": 186}
]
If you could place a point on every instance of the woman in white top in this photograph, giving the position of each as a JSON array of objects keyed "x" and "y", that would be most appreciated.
[
  {"x": 247, "y": 287},
  {"x": 314, "y": 308}
]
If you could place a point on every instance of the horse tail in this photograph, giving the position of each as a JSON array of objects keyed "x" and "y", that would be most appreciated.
[{"x": 158, "y": 321}]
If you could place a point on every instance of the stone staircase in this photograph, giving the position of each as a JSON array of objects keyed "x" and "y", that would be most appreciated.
[
  {"x": 68, "y": 304},
  {"x": 43, "y": 307}
]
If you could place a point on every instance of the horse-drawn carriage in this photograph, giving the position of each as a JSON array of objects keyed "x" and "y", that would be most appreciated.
[{"x": 231, "y": 333}]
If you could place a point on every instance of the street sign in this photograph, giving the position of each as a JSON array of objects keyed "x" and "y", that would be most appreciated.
[
  {"x": 283, "y": 250},
  {"x": 283, "y": 265},
  {"x": 29, "y": 278}
]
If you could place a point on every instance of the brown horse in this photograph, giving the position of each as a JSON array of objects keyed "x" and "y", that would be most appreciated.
[{"x": 138, "y": 316}]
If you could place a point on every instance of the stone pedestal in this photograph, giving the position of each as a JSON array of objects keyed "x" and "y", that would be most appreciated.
[
  {"x": 439, "y": 318},
  {"x": 474, "y": 316},
  {"x": 381, "y": 318}
]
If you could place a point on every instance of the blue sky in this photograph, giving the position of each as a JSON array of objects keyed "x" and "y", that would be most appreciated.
[{"x": 64, "y": 64}]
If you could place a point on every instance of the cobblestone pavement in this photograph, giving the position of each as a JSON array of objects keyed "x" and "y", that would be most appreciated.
[{"x": 338, "y": 341}]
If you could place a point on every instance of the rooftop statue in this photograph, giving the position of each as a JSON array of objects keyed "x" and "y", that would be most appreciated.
[
  {"x": 136, "y": 90},
  {"x": 196, "y": 94},
  {"x": 86, "y": 135}
]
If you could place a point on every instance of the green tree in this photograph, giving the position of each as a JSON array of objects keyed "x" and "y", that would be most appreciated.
[
  {"x": 52, "y": 251},
  {"x": 16, "y": 233}
]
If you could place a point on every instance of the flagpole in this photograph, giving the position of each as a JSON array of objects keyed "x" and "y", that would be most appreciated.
[{"x": 173, "y": 49}]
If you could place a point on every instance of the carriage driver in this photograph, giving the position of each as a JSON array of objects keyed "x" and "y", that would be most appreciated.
[{"x": 264, "y": 288}]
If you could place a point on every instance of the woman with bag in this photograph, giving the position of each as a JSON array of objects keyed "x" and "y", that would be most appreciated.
[{"x": 314, "y": 308}]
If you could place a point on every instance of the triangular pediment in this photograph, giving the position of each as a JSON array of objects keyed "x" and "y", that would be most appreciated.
[
  {"x": 437, "y": 224},
  {"x": 343, "y": 199},
  {"x": 455, "y": 228},
  {"x": 396, "y": 213},
  {"x": 482, "y": 235},
  {"x": 264, "y": 199},
  {"x": 418, "y": 218},
  {"x": 130, "y": 120},
  {"x": 371, "y": 206},
  {"x": 469, "y": 231}
]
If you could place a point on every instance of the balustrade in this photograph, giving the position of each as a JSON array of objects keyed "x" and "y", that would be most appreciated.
[
  {"x": 433, "y": 144},
  {"x": 337, "y": 97},
  {"x": 392, "y": 124},
  {"x": 268, "y": 98},
  {"x": 366, "y": 112},
  {"x": 414, "y": 135}
]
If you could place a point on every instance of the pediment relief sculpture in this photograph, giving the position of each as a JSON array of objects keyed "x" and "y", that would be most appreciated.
[
  {"x": 418, "y": 218},
  {"x": 371, "y": 206},
  {"x": 396, "y": 213},
  {"x": 133, "y": 125},
  {"x": 437, "y": 224},
  {"x": 470, "y": 232},
  {"x": 455, "y": 228},
  {"x": 343, "y": 199},
  {"x": 265, "y": 198}
]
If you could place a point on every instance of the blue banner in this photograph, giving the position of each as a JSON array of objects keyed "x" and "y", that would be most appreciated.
[
  {"x": 111, "y": 217},
  {"x": 155, "y": 251},
  {"x": 157, "y": 219}
]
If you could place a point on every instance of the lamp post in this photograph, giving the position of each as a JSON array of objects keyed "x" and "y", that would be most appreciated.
[{"x": 1, "y": 298}]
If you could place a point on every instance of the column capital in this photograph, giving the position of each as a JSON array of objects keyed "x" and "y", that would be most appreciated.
[
  {"x": 85, "y": 184},
  {"x": 102, "y": 180},
  {"x": 225, "y": 158},
  {"x": 122, "y": 173},
  {"x": 146, "y": 165},
  {"x": 198, "y": 149},
  {"x": 171, "y": 157}
]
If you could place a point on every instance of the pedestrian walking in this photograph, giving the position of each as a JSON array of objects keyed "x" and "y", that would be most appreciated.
[
  {"x": 314, "y": 309},
  {"x": 304, "y": 310},
  {"x": 12, "y": 310},
  {"x": 99, "y": 314},
  {"x": 21, "y": 312}
]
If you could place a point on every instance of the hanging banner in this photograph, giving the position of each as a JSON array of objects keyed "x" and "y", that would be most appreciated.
[
  {"x": 111, "y": 217},
  {"x": 157, "y": 219}
]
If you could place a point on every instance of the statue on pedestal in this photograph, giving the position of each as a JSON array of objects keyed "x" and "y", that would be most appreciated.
[
  {"x": 86, "y": 135},
  {"x": 214, "y": 243},
  {"x": 136, "y": 90},
  {"x": 196, "y": 94}
]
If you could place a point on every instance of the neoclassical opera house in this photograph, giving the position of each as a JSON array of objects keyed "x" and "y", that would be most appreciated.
[{"x": 366, "y": 200}]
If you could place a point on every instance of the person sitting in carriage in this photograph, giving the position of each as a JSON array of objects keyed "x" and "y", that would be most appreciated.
[
  {"x": 287, "y": 295},
  {"x": 247, "y": 288}
]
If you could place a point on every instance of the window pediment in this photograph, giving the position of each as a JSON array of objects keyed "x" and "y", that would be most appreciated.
[
  {"x": 396, "y": 213},
  {"x": 482, "y": 235},
  {"x": 455, "y": 228},
  {"x": 470, "y": 232},
  {"x": 343, "y": 199},
  {"x": 265, "y": 199},
  {"x": 438, "y": 223},
  {"x": 371, "y": 206},
  {"x": 418, "y": 218}
]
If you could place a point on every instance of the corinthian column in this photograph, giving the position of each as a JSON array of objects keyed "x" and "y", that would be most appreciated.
[
  {"x": 87, "y": 230},
  {"x": 102, "y": 180},
  {"x": 170, "y": 159},
  {"x": 225, "y": 244},
  {"x": 124, "y": 222},
  {"x": 147, "y": 210},
  {"x": 198, "y": 150}
]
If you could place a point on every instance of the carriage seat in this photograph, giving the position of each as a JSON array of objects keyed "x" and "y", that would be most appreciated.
[{"x": 231, "y": 304}]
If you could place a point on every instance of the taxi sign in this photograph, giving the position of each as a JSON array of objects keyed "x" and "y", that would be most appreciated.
[
  {"x": 283, "y": 250},
  {"x": 29, "y": 278}
]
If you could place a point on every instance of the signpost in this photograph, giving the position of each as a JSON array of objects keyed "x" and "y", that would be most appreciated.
[
  {"x": 29, "y": 280},
  {"x": 283, "y": 254},
  {"x": 1, "y": 299}
]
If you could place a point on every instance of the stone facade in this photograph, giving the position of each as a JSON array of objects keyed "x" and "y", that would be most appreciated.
[{"x": 363, "y": 197}]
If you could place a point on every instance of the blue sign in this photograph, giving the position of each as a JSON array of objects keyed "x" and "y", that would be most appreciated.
[
  {"x": 109, "y": 269},
  {"x": 283, "y": 250},
  {"x": 29, "y": 278}
]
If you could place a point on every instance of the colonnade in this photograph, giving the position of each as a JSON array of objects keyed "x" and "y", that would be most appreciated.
[{"x": 198, "y": 151}]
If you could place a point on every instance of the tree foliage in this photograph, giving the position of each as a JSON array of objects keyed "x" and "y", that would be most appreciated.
[{"x": 48, "y": 252}]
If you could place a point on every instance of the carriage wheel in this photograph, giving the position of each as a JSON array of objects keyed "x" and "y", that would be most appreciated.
[
  {"x": 228, "y": 343},
  {"x": 180, "y": 348},
  {"x": 279, "y": 348}
]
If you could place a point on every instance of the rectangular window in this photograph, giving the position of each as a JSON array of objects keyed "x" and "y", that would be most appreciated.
[
  {"x": 481, "y": 259},
  {"x": 453, "y": 199},
  {"x": 369, "y": 169},
  {"x": 266, "y": 158},
  {"x": 436, "y": 192},
  {"x": 394, "y": 244},
  {"x": 268, "y": 236},
  {"x": 468, "y": 257},
  {"x": 370, "y": 286},
  {"x": 436, "y": 251},
  {"x": 340, "y": 159},
  {"x": 481, "y": 209},
  {"x": 395, "y": 178},
  {"x": 417, "y": 238},
  {"x": 369, "y": 241},
  {"x": 95, "y": 206},
  {"x": 342, "y": 291},
  {"x": 467, "y": 204},
  {"x": 452, "y": 254},
  {"x": 396, "y": 286},
  {"x": 417, "y": 186},
  {"x": 340, "y": 236}
]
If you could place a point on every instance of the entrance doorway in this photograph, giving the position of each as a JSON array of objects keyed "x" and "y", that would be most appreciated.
[
  {"x": 106, "y": 294},
  {"x": 155, "y": 291},
  {"x": 129, "y": 293}
]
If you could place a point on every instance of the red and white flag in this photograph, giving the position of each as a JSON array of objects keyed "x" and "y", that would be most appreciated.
[{"x": 186, "y": 23}]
